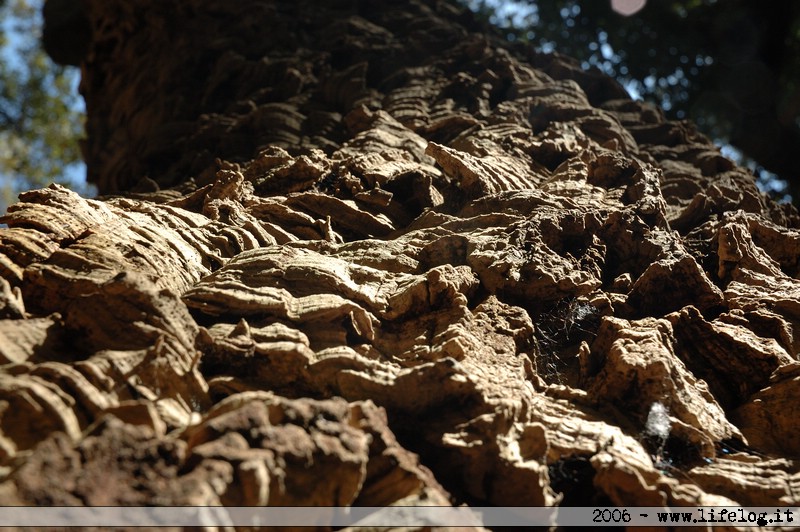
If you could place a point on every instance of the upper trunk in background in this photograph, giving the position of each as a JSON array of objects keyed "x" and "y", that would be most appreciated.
[{"x": 399, "y": 261}]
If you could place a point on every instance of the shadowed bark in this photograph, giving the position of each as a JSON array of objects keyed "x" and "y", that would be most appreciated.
[{"x": 363, "y": 254}]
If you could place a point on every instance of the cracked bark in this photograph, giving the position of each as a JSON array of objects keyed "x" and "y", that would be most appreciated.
[{"x": 365, "y": 254}]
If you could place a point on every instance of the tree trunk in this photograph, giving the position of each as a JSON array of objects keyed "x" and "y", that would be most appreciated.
[{"x": 366, "y": 253}]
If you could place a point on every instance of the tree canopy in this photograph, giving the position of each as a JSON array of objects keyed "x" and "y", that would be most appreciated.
[
  {"x": 40, "y": 110},
  {"x": 729, "y": 66}
]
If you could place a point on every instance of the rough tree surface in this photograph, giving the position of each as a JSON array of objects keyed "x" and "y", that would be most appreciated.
[{"x": 361, "y": 253}]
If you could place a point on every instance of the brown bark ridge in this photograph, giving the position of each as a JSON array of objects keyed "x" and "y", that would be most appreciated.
[{"x": 360, "y": 253}]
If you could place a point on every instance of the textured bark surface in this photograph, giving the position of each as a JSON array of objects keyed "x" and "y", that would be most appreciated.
[{"x": 363, "y": 254}]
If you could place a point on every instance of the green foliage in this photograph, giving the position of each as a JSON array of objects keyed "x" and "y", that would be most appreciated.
[{"x": 40, "y": 117}]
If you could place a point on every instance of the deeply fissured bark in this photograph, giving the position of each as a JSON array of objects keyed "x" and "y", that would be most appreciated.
[{"x": 353, "y": 242}]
